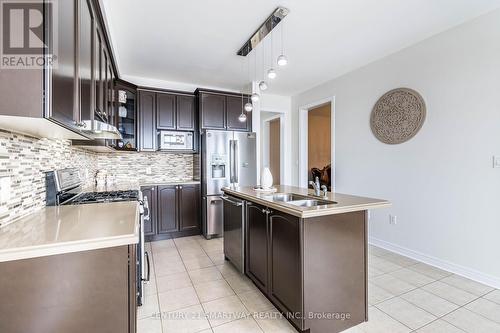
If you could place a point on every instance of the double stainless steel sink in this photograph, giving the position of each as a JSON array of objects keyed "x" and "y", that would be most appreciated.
[{"x": 298, "y": 200}]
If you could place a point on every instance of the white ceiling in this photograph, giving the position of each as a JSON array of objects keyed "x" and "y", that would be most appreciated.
[{"x": 195, "y": 41}]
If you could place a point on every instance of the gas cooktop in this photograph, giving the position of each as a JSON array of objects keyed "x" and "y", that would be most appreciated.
[{"x": 109, "y": 196}]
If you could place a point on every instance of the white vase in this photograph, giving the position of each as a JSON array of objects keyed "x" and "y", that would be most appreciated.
[{"x": 266, "y": 179}]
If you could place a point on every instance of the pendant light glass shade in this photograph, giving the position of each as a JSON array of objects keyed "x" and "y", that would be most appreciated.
[
  {"x": 242, "y": 118},
  {"x": 255, "y": 97},
  {"x": 263, "y": 85},
  {"x": 248, "y": 107},
  {"x": 282, "y": 60},
  {"x": 271, "y": 73}
]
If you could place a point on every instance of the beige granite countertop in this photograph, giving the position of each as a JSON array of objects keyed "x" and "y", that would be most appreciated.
[
  {"x": 344, "y": 203},
  {"x": 70, "y": 228}
]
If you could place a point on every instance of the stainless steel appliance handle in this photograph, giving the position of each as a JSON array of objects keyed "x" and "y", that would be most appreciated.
[
  {"x": 237, "y": 204},
  {"x": 231, "y": 161},
  {"x": 146, "y": 255},
  {"x": 236, "y": 161},
  {"x": 146, "y": 207},
  {"x": 215, "y": 201}
]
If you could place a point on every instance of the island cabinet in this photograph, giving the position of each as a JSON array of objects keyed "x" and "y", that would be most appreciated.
[
  {"x": 314, "y": 269},
  {"x": 285, "y": 264},
  {"x": 221, "y": 111},
  {"x": 79, "y": 292},
  {"x": 174, "y": 211},
  {"x": 257, "y": 240}
]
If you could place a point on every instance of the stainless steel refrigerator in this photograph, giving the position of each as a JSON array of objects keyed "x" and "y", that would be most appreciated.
[{"x": 227, "y": 159}]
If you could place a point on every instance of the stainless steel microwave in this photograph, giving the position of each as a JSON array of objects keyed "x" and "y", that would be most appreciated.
[{"x": 173, "y": 140}]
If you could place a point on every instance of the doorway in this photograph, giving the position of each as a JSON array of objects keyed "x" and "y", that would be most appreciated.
[
  {"x": 316, "y": 143},
  {"x": 319, "y": 148}
]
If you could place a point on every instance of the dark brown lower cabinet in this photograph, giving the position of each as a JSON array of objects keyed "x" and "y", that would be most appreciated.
[
  {"x": 167, "y": 209},
  {"x": 174, "y": 210},
  {"x": 314, "y": 270},
  {"x": 257, "y": 245},
  {"x": 285, "y": 280},
  {"x": 80, "y": 292},
  {"x": 189, "y": 207}
]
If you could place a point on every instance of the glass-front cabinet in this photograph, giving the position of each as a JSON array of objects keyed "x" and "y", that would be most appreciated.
[{"x": 126, "y": 115}]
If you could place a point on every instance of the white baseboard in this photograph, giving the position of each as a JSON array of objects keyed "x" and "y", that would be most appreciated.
[{"x": 469, "y": 273}]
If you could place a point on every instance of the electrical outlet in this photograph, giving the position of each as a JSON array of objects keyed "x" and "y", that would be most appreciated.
[
  {"x": 496, "y": 161},
  {"x": 393, "y": 219},
  {"x": 4, "y": 189},
  {"x": 148, "y": 171}
]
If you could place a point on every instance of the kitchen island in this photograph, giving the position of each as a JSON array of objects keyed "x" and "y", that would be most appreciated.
[{"x": 307, "y": 254}]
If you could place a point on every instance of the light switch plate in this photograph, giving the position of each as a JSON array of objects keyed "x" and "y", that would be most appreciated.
[
  {"x": 148, "y": 170},
  {"x": 496, "y": 161}
]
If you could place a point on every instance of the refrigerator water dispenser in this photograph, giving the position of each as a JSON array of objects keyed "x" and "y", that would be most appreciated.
[{"x": 218, "y": 166}]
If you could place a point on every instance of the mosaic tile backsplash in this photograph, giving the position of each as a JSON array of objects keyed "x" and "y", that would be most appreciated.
[{"x": 24, "y": 159}]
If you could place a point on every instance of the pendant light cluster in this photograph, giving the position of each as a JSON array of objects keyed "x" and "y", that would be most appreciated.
[{"x": 251, "y": 45}]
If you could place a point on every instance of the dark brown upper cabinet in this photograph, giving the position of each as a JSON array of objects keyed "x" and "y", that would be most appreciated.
[
  {"x": 234, "y": 106},
  {"x": 147, "y": 120},
  {"x": 86, "y": 33},
  {"x": 185, "y": 113},
  {"x": 165, "y": 111},
  {"x": 98, "y": 46},
  {"x": 175, "y": 112},
  {"x": 221, "y": 111},
  {"x": 213, "y": 111},
  {"x": 171, "y": 111},
  {"x": 111, "y": 95},
  {"x": 69, "y": 93},
  {"x": 64, "y": 90}
]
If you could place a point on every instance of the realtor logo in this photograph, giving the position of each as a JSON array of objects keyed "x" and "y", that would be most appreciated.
[{"x": 27, "y": 27}]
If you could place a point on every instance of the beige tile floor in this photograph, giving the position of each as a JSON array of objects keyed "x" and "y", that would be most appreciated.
[{"x": 193, "y": 289}]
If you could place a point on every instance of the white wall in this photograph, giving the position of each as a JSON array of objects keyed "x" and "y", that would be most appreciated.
[
  {"x": 265, "y": 117},
  {"x": 277, "y": 104},
  {"x": 442, "y": 184}
]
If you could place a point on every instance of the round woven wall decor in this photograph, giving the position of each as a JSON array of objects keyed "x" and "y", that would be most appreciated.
[{"x": 398, "y": 116}]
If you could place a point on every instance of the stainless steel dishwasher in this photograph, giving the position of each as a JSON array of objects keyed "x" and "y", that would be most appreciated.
[{"x": 234, "y": 231}]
